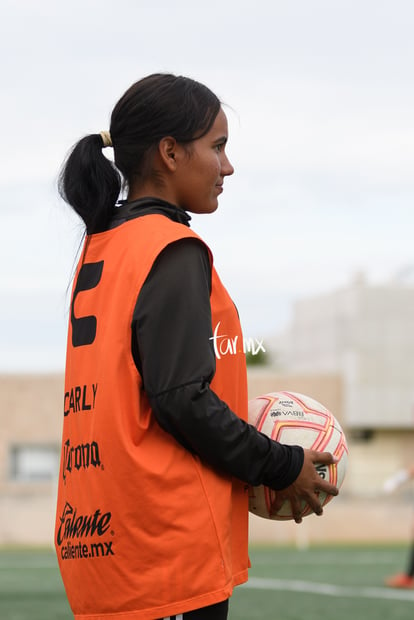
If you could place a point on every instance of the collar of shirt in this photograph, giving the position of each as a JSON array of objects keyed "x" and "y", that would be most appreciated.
[{"x": 125, "y": 211}]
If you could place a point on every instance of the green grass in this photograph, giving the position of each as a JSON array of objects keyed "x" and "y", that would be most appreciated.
[
  {"x": 335, "y": 583},
  {"x": 31, "y": 587}
]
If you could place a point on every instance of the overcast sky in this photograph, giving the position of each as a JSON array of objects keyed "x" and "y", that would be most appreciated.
[{"x": 320, "y": 100}]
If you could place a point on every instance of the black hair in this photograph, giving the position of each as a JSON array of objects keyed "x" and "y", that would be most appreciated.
[{"x": 156, "y": 106}]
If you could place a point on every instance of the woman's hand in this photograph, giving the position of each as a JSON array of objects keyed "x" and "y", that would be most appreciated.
[{"x": 307, "y": 486}]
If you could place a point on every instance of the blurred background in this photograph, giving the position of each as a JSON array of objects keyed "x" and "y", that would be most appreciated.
[{"x": 313, "y": 235}]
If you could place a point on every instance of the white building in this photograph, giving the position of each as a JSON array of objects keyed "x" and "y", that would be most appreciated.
[{"x": 366, "y": 335}]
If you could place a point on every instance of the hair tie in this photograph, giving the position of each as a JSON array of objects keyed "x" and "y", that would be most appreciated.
[{"x": 106, "y": 138}]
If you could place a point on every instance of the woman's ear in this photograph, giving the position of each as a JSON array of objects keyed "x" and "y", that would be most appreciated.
[{"x": 167, "y": 149}]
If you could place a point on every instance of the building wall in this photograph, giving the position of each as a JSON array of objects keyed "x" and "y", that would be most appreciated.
[
  {"x": 31, "y": 415},
  {"x": 366, "y": 335}
]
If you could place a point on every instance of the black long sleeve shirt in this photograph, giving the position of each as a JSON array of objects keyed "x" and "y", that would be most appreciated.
[{"x": 172, "y": 345}]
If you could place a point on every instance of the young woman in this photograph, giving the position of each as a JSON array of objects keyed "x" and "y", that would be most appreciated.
[{"x": 157, "y": 455}]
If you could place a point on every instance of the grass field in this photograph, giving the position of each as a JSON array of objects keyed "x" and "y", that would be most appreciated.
[{"x": 335, "y": 583}]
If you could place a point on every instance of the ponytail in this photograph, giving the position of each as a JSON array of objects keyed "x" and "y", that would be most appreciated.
[{"x": 90, "y": 183}]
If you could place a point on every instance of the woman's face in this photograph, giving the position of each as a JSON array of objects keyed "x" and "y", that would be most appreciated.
[{"x": 200, "y": 176}]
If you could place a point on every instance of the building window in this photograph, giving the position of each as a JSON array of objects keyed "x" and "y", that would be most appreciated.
[{"x": 34, "y": 463}]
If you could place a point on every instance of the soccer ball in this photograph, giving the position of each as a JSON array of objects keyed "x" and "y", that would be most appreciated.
[{"x": 295, "y": 419}]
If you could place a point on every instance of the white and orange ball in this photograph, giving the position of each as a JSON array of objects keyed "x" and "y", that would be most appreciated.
[{"x": 295, "y": 419}]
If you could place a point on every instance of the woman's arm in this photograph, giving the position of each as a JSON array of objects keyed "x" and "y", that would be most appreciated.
[{"x": 173, "y": 350}]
